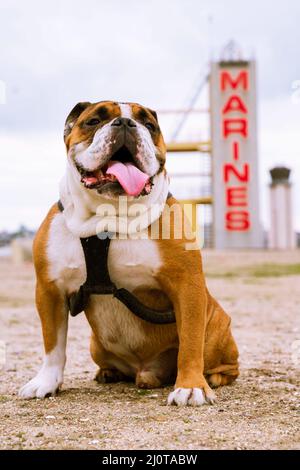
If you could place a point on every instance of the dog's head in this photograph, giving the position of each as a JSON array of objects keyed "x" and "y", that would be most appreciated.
[{"x": 115, "y": 148}]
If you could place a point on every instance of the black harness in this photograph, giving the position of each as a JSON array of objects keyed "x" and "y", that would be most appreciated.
[{"x": 95, "y": 249}]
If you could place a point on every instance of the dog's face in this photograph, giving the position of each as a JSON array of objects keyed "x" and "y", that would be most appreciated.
[{"x": 116, "y": 148}]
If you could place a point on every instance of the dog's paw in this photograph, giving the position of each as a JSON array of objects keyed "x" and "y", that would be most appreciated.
[
  {"x": 106, "y": 376},
  {"x": 191, "y": 397},
  {"x": 147, "y": 379},
  {"x": 46, "y": 383}
]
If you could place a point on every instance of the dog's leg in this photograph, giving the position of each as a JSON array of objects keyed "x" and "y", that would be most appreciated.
[
  {"x": 221, "y": 354},
  {"x": 53, "y": 311},
  {"x": 158, "y": 371},
  {"x": 107, "y": 373},
  {"x": 189, "y": 299},
  {"x": 228, "y": 371}
]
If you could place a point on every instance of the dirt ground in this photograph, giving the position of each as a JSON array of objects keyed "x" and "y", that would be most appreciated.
[{"x": 261, "y": 291}]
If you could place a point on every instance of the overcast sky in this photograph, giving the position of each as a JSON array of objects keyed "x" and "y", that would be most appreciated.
[{"x": 56, "y": 53}]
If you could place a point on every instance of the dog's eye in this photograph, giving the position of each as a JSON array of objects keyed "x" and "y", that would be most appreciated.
[
  {"x": 92, "y": 122},
  {"x": 150, "y": 126}
]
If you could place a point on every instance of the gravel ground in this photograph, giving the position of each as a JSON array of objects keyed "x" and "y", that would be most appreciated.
[{"x": 261, "y": 291}]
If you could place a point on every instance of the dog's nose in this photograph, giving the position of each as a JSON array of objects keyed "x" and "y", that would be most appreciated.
[{"x": 123, "y": 122}]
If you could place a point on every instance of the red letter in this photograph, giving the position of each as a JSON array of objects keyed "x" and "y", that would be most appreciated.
[
  {"x": 228, "y": 167},
  {"x": 236, "y": 150},
  {"x": 235, "y": 126},
  {"x": 236, "y": 196},
  {"x": 235, "y": 104},
  {"x": 237, "y": 221},
  {"x": 241, "y": 79}
]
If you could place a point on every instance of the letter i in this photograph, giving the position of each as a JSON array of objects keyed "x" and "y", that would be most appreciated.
[{"x": 236, "y": 150}]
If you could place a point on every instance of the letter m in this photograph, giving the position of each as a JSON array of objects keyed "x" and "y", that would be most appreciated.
[{"x": 241, "y": 80}]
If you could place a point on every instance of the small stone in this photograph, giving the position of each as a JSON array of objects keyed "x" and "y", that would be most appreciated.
[{"x": 94, "y": 441}]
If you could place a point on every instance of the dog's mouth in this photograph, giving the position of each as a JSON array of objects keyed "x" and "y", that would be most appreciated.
[{"x": 121, "y": 172}]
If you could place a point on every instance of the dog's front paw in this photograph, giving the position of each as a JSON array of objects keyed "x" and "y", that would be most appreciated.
[
  {"x": 191, "y": 397},
  {"x": 44, "y": 384}
]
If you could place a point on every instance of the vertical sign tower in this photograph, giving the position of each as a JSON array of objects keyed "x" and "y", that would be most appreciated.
[
  {"x": 282, "y": 235},
  {"x": 234, "y": 155}
]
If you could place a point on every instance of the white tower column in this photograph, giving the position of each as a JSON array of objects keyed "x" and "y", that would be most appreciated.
[{"x": 282, "y": 235}]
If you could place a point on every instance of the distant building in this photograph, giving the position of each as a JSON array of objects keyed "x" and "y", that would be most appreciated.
[
  {"x": 282, "y": 235},
  {"x": 7, "y": 237}
]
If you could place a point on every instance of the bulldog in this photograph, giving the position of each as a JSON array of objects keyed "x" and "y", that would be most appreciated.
[{"x": 116, "y": 183}]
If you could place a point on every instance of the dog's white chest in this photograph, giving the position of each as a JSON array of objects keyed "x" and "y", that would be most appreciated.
[{"x": 131, "y": 263}]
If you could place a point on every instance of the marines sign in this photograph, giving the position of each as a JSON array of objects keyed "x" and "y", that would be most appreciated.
[{"x": 234, "y": 155}]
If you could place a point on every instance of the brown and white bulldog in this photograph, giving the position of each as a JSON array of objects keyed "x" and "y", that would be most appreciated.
[{"x": 116, "y": 153}]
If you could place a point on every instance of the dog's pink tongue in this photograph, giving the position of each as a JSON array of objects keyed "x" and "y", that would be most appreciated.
[{"x": 129, "y": 176}]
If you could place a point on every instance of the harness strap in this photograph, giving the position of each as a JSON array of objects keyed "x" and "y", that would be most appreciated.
[
  {"x": 143, "y": 312},
  {"x": 95, "y": 249},
  {"x": 60, "y": 205}
]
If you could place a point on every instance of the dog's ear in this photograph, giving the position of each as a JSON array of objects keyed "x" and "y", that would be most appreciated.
[
  {"x": 73, "y": 116},
  {"x": 153, "y": 114}
]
